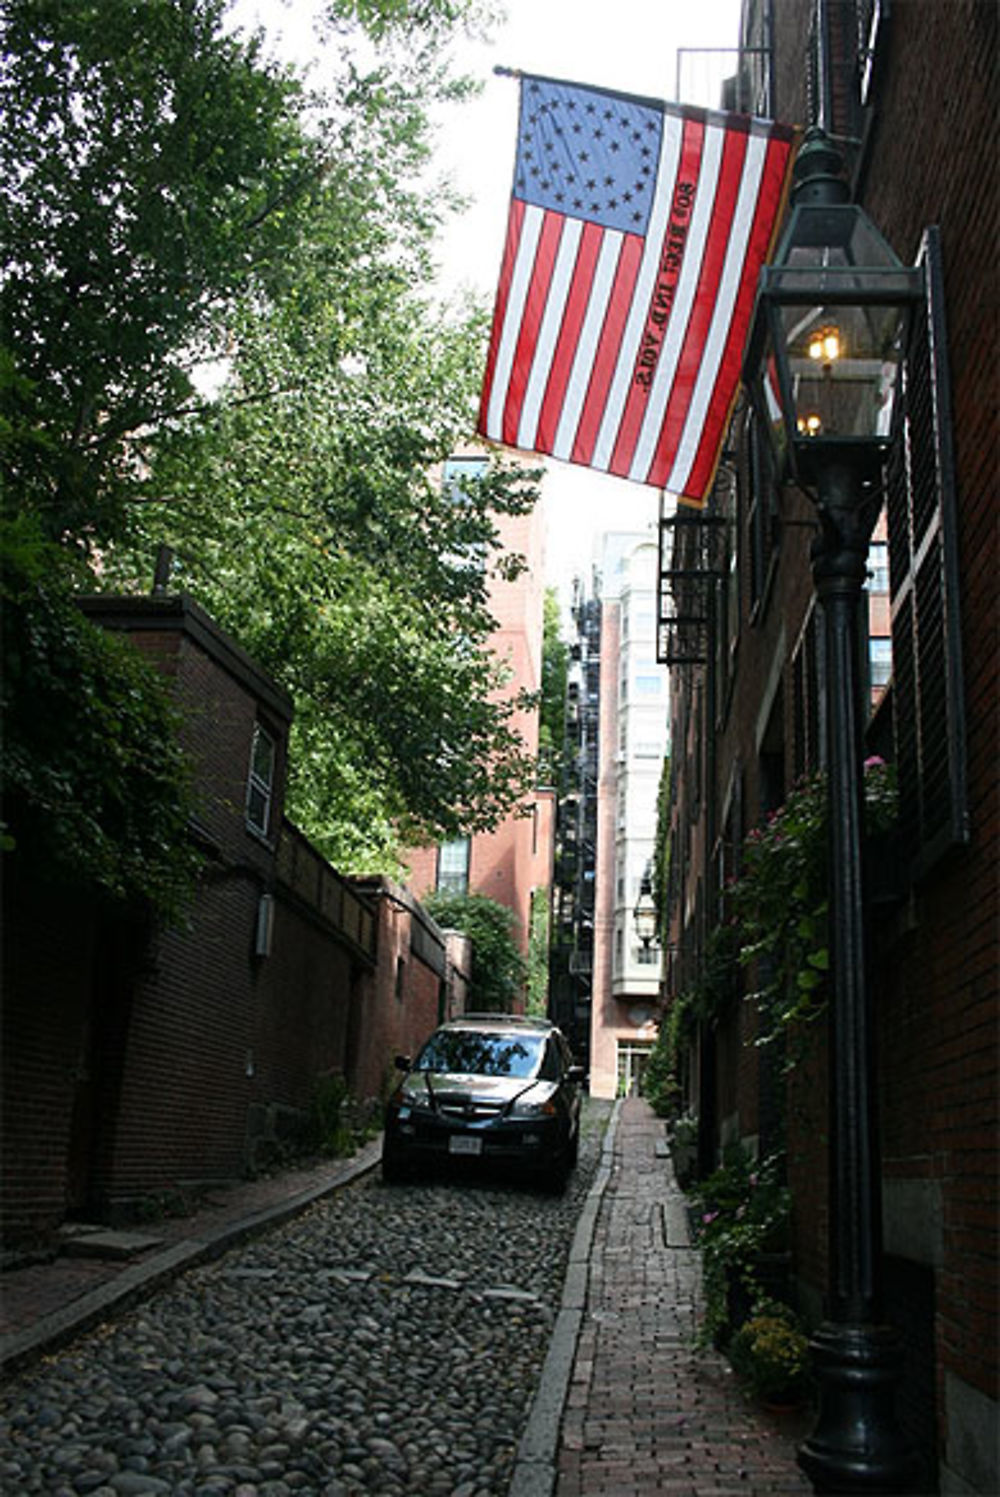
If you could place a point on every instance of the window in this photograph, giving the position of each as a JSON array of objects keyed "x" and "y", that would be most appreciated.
[
  {"x": 458, "y": 472},
  {"x": 879, "y": 663},
  {"x": 878, "y": 567},
  {"x": 808, "y": 699},
  {"x": 453, "y": 866},
  {"x": 927, "y": 688},
  {"x": 260, "y": 782},
  {"x": 726, "y": 591},
  {"x": 459, "y": 476},
  {"x": 762, "y": 516}
]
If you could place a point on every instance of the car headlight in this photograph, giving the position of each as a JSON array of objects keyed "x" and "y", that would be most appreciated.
[
  {"x": 413, "y": 1099},
  {"x": 533, "y": 1105}
]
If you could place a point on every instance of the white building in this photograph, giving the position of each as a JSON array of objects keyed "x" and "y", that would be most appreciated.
[{"x": 633, "y": 741}]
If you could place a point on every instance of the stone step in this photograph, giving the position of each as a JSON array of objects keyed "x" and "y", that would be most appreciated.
[{"x": 81, "y": 1241}]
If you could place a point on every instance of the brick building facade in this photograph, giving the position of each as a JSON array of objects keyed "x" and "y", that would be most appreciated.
[{"x": 912, "y": 92}]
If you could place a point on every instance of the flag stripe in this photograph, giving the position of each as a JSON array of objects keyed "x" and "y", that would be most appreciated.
[
  {"x": 535, "y": 265},
  {"x": 590, "y": 333},
  {"x": 500, "y": 311},
  {"x": 504, "y": 334},
  {"x": 605, "y": 357},
  {"x": 539, "y": 276},
  {"x": 578, "y": 294}
]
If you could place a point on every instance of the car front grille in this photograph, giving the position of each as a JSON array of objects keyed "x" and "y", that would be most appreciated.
[{"x": 459, "y": 1110}]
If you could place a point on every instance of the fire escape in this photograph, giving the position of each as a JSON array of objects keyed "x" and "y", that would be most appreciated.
[{"x": 572, "y": 950}]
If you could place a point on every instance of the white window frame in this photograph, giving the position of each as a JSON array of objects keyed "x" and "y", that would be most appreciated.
[{"x": 260, "y": 781}]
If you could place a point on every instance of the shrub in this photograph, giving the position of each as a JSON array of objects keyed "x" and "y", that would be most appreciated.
[
  {"x": 499, "y": 971},
  {"x": 744, "y": 1213},
  {"x": 770, "y": 1354}
]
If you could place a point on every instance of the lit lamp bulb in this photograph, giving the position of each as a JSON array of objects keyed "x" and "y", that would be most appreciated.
[
  {"x": 810, "y": 426},
  {"x": 824, "y": 345}
]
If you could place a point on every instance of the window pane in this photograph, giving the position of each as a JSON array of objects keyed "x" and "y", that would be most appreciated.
[
  {"x": 260, "y": 782},
  {"x": 453, "y": 866}
]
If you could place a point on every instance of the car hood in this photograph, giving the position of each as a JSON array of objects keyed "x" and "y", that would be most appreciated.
[{"x": 449, "y": 1089}]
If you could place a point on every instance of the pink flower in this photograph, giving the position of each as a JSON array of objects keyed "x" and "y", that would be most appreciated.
[
  {"x": 708, "y": 1217},
  {"x": 874, "y": 761}
]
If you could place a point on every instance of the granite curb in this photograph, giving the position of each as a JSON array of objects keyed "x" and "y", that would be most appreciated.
[
  {"x": 535, "y": 1469},
  {"x": 136, "y": 1280}
]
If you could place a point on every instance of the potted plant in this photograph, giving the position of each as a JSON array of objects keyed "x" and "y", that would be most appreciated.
[{"x": 770, "y": 1356}]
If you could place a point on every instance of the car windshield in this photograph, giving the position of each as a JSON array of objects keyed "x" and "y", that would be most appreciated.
[{"x": 472, "y": 1054}]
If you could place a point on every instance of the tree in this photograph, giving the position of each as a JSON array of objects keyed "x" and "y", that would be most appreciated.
[
  {"x": 169, "y": 196},
  {"x": 555, "y": 669},
  {"x": 499, "y": 971},
  {"x": 152, "y": 170}
]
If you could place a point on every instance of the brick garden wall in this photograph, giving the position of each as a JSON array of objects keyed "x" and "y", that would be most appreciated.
[{"x": 47, "y": 959}]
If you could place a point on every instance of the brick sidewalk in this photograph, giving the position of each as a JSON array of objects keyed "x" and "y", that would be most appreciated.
[{"x": 646, "y": 1412}]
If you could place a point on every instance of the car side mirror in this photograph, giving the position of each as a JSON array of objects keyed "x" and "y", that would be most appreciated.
[
  {"x": 577, "y": 1074},
  {"x": 403, "y": 1062}
]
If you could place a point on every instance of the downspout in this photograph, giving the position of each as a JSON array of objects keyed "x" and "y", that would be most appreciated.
[{"x": 707, "y": 1125}]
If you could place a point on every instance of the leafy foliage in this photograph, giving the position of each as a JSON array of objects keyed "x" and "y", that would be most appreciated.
[
  {"x": 661, "y": 1079},
  {"x": 770, "y": 1354},
  {"x": 555, "y": 670},
  {"x": 781, "y": 902},
  {"x": 96, "y": 787},
  {"x": 743, "y": 1211},
  {"x": 661, "y": 852},
  {"x": 149, "y": 166},
  {"x": 538, "y": 953},
  {"x": 499, "y": 971}
]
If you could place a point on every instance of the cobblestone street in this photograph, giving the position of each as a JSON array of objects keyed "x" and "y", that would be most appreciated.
[{"x": 388, "y": 1341}]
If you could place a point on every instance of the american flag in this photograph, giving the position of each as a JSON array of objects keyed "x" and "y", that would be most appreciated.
[{"x": 634, "y": 240}]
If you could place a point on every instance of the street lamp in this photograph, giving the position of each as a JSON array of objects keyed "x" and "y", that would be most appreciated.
[
  {"x": 644, "y": 913},
  {"x": 822, "y": 369}
]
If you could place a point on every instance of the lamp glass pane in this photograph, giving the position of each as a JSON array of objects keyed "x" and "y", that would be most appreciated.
[{"x": 843, "y": 362}]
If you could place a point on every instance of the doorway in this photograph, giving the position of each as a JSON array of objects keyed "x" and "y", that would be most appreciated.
[{"x": 633, "y": 1057}]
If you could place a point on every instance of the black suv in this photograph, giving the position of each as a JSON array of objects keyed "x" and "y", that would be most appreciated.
[{"x": 488, "y": 1087}]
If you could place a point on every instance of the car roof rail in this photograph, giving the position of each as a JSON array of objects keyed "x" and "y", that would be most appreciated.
[{"x": 494, "y": 1018}]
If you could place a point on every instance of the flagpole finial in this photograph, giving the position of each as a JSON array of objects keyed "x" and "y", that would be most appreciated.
[{"x": 503, "y": 72}]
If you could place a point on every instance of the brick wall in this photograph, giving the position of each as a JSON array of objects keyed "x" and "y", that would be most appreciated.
[
  {"x": 402, "y": 1000},
  {"x": 47, "y": 959}
]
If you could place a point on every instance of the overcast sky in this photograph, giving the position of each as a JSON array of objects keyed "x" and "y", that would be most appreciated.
[{"x": 631, "y": 45}]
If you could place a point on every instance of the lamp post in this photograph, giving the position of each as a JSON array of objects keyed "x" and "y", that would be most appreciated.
[
  {"x": 822, "y": 366},
  {"x": 644, "y": 914}
]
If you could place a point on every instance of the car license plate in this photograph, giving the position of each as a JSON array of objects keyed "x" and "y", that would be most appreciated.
[{"x": 462, "y": 1143}]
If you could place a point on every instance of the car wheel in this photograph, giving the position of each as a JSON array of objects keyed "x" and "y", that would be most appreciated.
[
  {"x": 394, "y": 1170},
  {"x": 555, "y": 1176}
]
